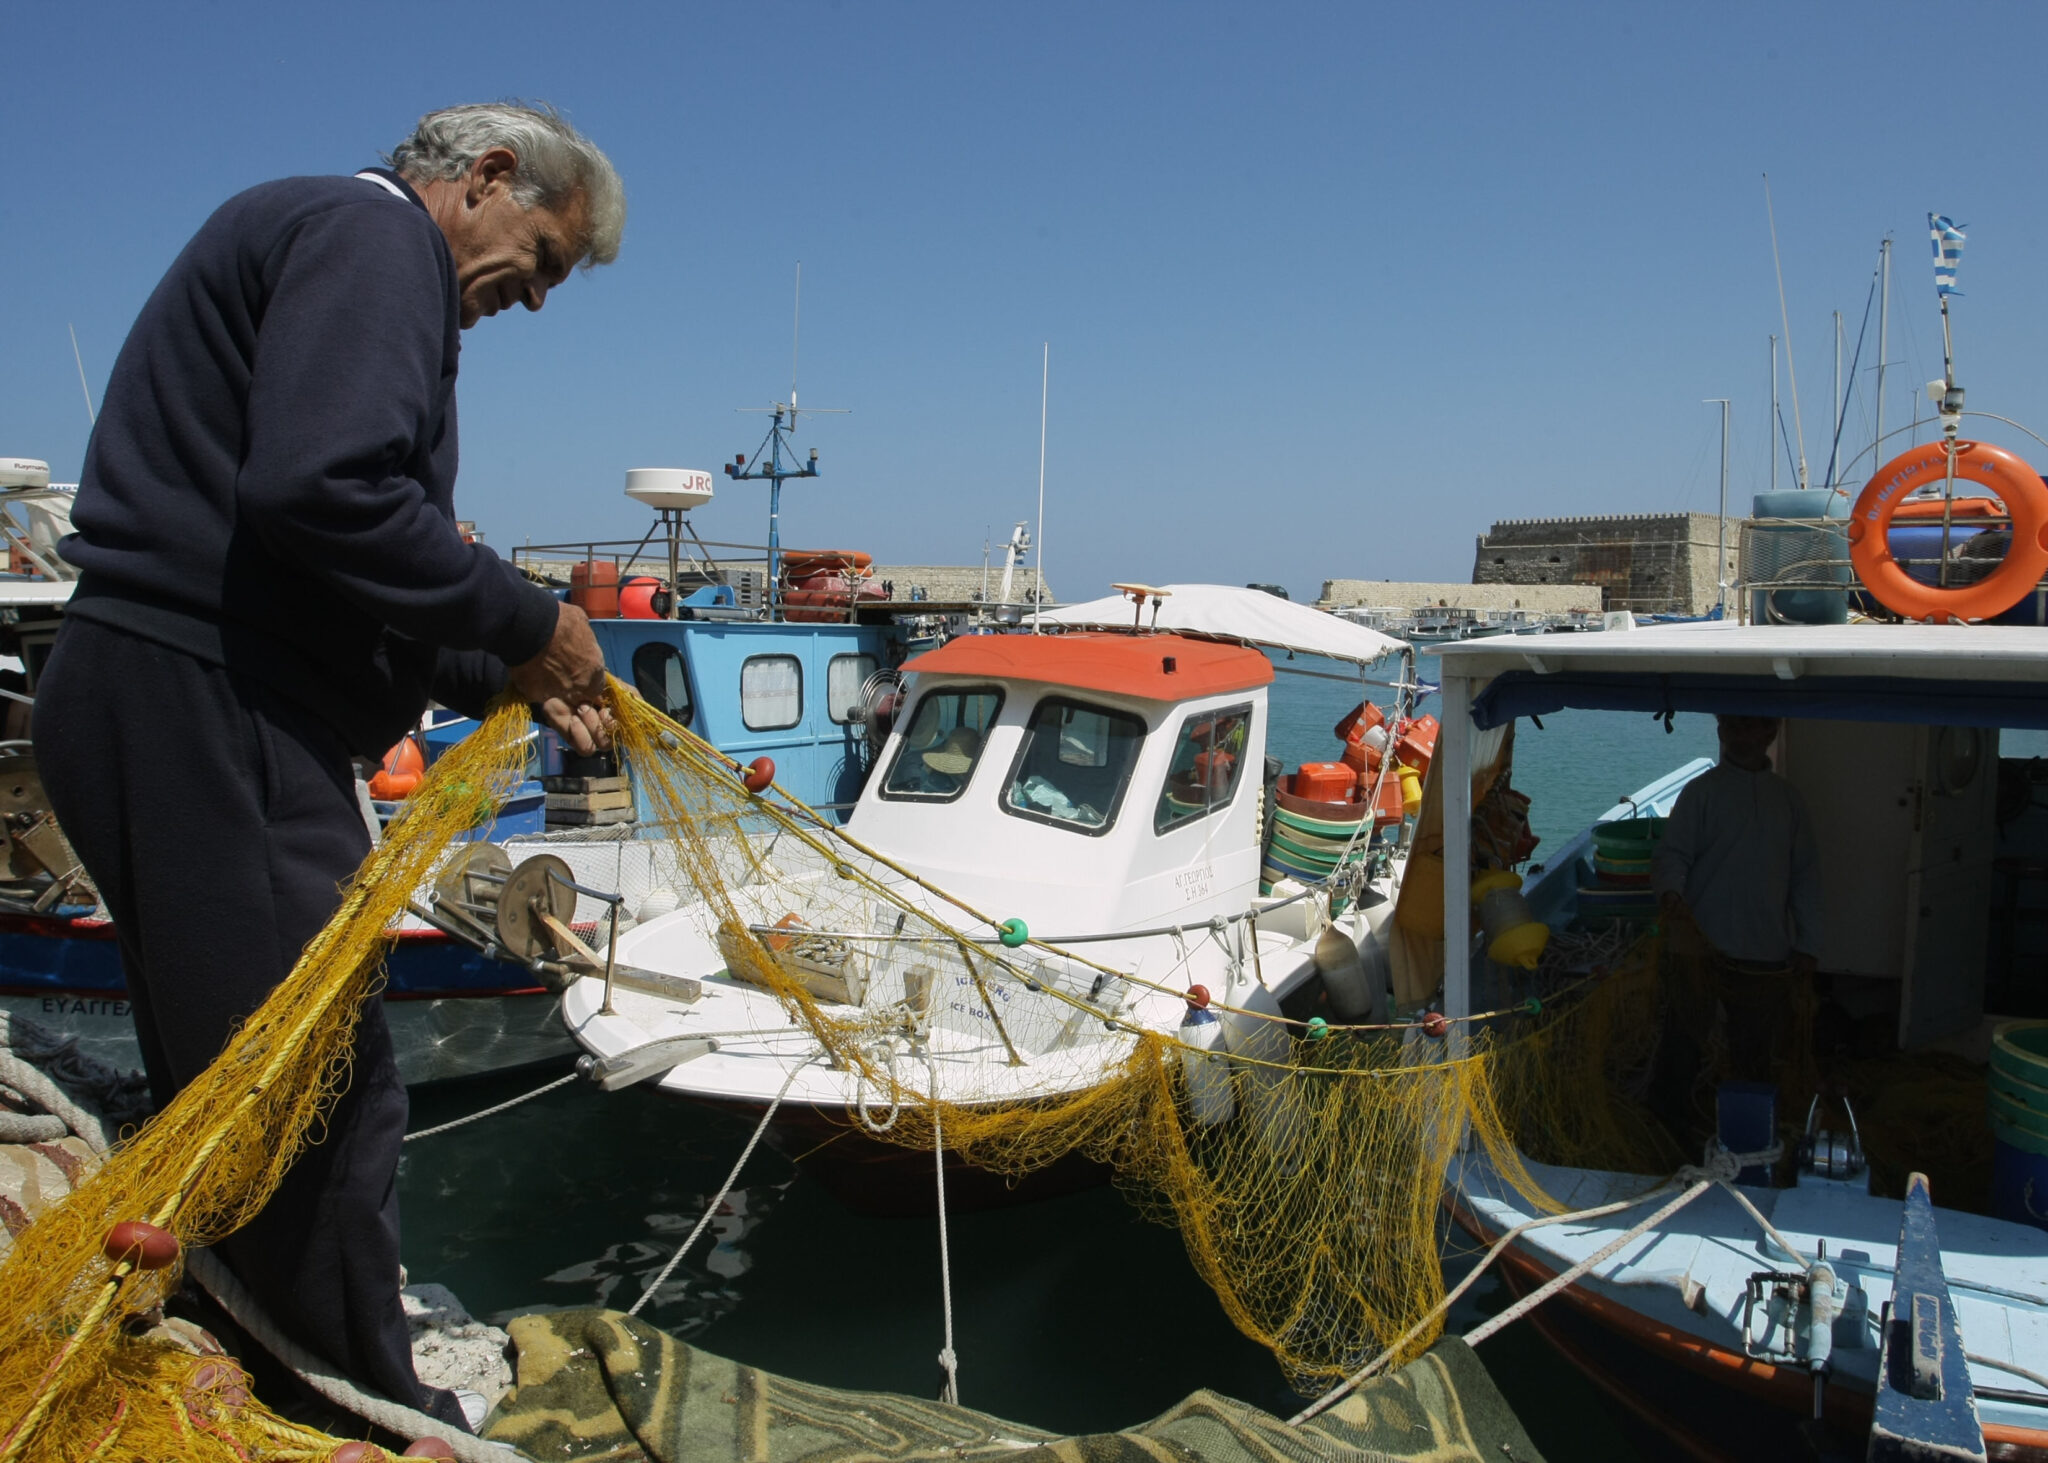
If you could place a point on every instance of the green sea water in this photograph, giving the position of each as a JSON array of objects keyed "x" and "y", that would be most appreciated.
[{"x": 1071, "y": 1314}]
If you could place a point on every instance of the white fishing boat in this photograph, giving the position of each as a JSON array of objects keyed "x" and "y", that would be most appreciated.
[
  {"x": 1767, "y": 1300},
  {"x": 1099, "y": 787}
]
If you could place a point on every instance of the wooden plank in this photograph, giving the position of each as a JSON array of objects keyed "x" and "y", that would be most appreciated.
[
  {"x": 580, "y": 818},
  {"x": 588, "y": 802},
  {"x": 584, "y": 784}
]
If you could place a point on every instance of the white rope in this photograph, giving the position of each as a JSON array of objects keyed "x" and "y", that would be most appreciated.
[
  {"x": 2005, "y": 1366},
  {"x": 711, "y": 1209},
  {"x": 220, "y": 1283},
  {"x": 489, "y": 1111},
  {"x": 1559, "y": 1281},
  {"x": 31, "y": 1083},
  {"x": 949, "y": 1359},
  {"x": 860, "y": 1092}
]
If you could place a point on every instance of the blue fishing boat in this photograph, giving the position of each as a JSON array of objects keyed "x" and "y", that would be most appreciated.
[{"x": 1759, "y": 1285}]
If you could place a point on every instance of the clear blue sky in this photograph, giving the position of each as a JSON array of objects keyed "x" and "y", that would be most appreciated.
[{"x": 1328, "y": 288}]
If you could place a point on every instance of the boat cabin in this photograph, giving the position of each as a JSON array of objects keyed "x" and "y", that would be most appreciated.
[{"x": 1084, "y": 781}]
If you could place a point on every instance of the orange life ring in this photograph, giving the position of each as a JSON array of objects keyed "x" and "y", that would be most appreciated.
[{"x": 2017, "y": 485}]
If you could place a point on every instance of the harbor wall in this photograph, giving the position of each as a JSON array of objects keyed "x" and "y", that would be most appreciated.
[
  {"x": 1536, "y": 599},
  {"x": 1651, "y": 563}
]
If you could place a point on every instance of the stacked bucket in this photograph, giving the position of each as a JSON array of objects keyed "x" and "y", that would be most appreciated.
[
  {"x": 2019, "y": 1122},
  {"x": 1622, "y": 851}
]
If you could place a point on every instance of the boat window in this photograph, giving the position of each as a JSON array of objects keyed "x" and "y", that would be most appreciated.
[
  {"x": 1074, "y": 765},
  {"x": 771, "y": 692},
  {"x": 943, "y": 744},
  {"x": 845, "y": 675},
  {"x": 1207, "y": 761},
  {"x": 663, "y": 681}
]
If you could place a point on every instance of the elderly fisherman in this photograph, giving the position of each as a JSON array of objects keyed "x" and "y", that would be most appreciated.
[
  {"x": 1737, "y": 875},
  {"x": 271, "y": 581}
]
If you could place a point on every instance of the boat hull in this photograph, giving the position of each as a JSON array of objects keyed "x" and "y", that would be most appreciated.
[
  {"x": 1708, "y": 1401},
  {"x": 452, "y": 1012}
]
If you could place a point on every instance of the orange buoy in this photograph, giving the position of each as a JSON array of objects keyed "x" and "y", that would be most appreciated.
[
  {"x": 144, "y": 1246},
  {"x": 2015, "y": 484},
  {"x": 758, "y": 774},
  {"x": 430, "y": 1448},
  {"x": 404, "y": 766}
]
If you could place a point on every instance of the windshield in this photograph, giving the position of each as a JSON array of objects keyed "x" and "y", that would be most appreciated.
[
  {"x": 943, "y": 744},
  {"x": 1075, "y": 763}
]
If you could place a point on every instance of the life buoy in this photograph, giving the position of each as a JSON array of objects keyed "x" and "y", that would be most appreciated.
[{"x": 2017, "y": 485}]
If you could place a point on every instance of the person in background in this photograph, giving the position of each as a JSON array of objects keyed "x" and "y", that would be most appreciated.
[
  {"x": 272, "y": 580},
  {"x": 1737, "y": 876}
]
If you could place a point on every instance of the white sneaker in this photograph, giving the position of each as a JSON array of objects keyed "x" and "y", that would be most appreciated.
[{"x": 474, "y": 1408}]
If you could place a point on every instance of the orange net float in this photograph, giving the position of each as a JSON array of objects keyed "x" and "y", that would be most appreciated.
[
  {"x": 404, "y": 766},
  {"x": 2015, "y": 484}
]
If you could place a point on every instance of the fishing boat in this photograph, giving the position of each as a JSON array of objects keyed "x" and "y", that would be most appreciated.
[
  {"x": 1104, "y": 782},
  {"x": 1764, "y": 1301}
]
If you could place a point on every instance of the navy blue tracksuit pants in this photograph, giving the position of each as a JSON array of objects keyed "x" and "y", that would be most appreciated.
[{"x": 218, "y": 822}]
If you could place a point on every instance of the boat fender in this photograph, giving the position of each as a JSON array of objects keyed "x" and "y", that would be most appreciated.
[
  {"x": 1514, "y": 936},
  {"x": 1012, "y": 933},
  {"x": 1411, "y": 790},
  {"x": 1344, "y": 977},
  {"x": 1257, "y": 1036},
  {"x": 1206, "y": 1070},
  {"x": 144, "y": 1246},
  {"x": 2026, "y": 560},
  {"x": 758, "y": 775},
  {"x": 658, "y": 901},
  {"x": 1823, "y": 1304}
]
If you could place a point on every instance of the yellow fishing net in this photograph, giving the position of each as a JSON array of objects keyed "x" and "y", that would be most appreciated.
[{"x": 1312, "y": 1210}]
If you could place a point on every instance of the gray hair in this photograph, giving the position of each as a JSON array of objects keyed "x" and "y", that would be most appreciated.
[{"x": 556, "y": 163}]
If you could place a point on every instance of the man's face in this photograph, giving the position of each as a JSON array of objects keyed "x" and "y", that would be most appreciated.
[
  {"x": 1746, "y": 740},
  {"x": 505, "y": 255}
]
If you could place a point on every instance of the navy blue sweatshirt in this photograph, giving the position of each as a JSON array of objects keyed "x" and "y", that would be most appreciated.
[{"x": 271, "y": 483}]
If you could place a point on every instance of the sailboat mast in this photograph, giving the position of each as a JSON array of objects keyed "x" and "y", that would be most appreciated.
[
  {"x": 1837, "y": 434},
  {"x": 1884, "y": 328},
  {"x": 1044, "y": 395},
  {"x": 1771, "y": 435},
  {"x": 1721, "y": 562}
]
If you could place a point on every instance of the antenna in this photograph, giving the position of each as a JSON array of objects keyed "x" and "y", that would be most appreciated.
[
  {"x": 91, "y": 415},
  {"x": 796, "y": 336},
  {"x": 1044, "y": 394},
  {"x": 1798, "y": 427}
]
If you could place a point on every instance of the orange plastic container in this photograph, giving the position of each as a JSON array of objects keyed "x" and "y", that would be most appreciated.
[
  {"x": 594, "y": 588},
  {"x": 1390, "y": 809},
  {"x": 1418, "y": 743},
  {"x": 1325, "y": 782}
]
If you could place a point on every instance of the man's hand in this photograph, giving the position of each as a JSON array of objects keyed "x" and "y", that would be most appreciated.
[{"x": 566, "y": 681}]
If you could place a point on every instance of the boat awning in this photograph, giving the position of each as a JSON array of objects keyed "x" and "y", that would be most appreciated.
[{"x": 1248, "y": 616}]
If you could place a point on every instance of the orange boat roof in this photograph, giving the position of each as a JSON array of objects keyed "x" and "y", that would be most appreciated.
[{"x": 1154, "y": 667}]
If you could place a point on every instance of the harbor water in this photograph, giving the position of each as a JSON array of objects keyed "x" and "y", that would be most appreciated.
[{"x": 1071, "y": 1314}]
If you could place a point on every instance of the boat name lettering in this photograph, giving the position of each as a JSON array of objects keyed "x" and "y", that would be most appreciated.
[
  {"x": 84, "y": 1006},
  {"x": 1195, "y": 883}
]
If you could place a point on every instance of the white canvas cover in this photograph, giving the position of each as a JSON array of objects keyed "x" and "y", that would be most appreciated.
[{"x": 1230, "y": 613}]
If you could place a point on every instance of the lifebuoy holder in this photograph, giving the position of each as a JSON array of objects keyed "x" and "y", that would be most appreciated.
[{"x": 2015, "y": 484}]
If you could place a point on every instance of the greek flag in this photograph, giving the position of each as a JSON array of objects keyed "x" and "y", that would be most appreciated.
[{"x": 1948, "y": 248}]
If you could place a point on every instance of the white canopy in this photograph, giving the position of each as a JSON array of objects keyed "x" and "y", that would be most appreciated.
[{"x": 1225, "y": 612}]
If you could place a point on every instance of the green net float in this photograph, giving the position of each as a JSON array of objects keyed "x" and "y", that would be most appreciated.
[
  {"x": 1012, "y": 933},
  {"x": 1318, "y": 1028}
]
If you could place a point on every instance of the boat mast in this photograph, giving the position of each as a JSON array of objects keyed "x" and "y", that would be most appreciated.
[
  {"x": 1044, "y": 393},
  {"x": 1785, "y": 319},
  {"x": 1721, "y": 562},
  {"x": 1884, "y": 322},
  {"x": 1771, "y": 433},
  {"x": 1836, "y": 436}
]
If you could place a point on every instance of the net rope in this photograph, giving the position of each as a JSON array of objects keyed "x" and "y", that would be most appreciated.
[{"x": 1312, "y": 1211}]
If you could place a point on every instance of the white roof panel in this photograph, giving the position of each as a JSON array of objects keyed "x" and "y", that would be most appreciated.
[
  {"x": 1933, "y": 652},
  {"x": 1251, "y": 616}
]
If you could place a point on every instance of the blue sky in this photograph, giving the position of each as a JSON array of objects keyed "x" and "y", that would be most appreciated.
[{"x": 1328, "y": 288}]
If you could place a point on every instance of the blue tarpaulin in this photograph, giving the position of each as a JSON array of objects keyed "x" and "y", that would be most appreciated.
[{"x": 1914, "y": 700}]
